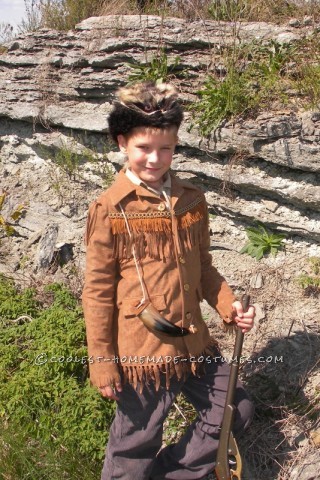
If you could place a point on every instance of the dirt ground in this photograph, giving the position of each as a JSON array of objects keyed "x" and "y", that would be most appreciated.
[{"x": 281, "y": 362}]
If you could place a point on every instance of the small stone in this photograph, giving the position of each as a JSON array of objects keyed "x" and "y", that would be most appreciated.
[
  {"x": 256, "y": 281},
  {"x": 301, "y": 440},
  {"x": 66, "y": 211},
  {"x": 45, "y": 187},
  {"x": 307, "y": 20},
  {"x": 33, "y": 239},
  {"x": 14, "y": 46},
  {"x": 294, "y": 22},
  {"x": 306, "y": 470},
  {"x": 260, "y": 314},
  {"x": 315, "y": 436},
  {"x": 117, "y": 158},
  {"x": 270, "y": 205}
]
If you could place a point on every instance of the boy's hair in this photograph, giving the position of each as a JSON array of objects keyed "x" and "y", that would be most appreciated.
[{"x": 145, "y": 105}]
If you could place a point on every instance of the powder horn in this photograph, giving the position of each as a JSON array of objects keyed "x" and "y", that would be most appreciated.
[{"x": 152, "y": 319}]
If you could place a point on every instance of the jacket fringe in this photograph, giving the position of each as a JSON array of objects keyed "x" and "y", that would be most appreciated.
[
  {"x": 141, "y": 375},
  {"x": 151, "y": 233}
]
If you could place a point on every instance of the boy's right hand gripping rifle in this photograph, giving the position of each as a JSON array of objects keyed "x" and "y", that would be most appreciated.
[{"x": 228, "y": 462}]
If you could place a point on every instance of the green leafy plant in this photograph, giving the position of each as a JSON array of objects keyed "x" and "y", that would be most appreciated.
[
  {"x": 270, "y": 59},
  {"x": 15, "y": 215},
  {"x": 262, "y": 241},
  {"x": 159, "y": 69}
]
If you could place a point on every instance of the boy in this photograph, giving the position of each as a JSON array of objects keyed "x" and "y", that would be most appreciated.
[{"x": 148, "y": 267}]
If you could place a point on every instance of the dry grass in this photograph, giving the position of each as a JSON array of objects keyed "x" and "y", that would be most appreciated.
[
  {"x": 65, "y": 15},
  {"x": 242, "y": 10}
]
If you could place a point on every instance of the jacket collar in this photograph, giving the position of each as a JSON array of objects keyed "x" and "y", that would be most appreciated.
[{"x": 122, "y": 187}]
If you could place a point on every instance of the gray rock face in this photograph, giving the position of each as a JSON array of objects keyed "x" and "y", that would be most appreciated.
[
  {"x": 56, "y": 90},
  {"x": 46, "y": 246}
]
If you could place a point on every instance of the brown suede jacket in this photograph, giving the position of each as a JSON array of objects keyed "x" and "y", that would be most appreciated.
[{"x": 173, "y": 250}]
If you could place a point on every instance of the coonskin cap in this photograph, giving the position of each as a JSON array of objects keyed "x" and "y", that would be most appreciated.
[{"x": 144, "y": 105}]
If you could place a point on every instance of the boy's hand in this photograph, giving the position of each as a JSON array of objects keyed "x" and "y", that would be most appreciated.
[
  {"x": 110, "y": 392},
  {"x": 244, "y": 320}
]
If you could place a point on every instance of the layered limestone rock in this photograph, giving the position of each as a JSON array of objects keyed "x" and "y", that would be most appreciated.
[{"x": 56, "y": 90}]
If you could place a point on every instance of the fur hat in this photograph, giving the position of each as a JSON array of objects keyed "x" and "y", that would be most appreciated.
[{"x": 144, "y": 105}]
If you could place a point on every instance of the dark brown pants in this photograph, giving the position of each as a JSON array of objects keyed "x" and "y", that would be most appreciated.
[{"x": 136, "y": 434}]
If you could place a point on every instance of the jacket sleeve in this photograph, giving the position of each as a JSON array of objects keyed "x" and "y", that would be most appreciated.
[
  {"x": 214, "y": 286},
  {"x": 98, "y": 297}
]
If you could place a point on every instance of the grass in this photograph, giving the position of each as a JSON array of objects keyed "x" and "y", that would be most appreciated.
[
  {"x": 23, "y": 457},
  {"x": 49, "y": 414}
]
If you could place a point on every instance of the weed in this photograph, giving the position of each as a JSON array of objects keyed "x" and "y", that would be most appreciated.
[
  {"x": 24, "y": 262},
  {"x": 255, "y": 76},
  {"x": 309, "y": 85},
  {"x": 273, "y": 57},
  {"x": 158, "y": 69},
  {"x": 262, "y": 242},
  {"x": 15, "y": 215},
  {"x": 260, "y": 10},
  {"x": 228, "y": 10},
  {"x": 103, "y": 169},
  {"x": 32, "y": 19},
  {"x": 68, "y": 160},
  {"x": 315, "y": 265},
  {"x": 310, "y": 282},
  {"x": 221, "y": 99},
  {"x": 180, "y": 416}
]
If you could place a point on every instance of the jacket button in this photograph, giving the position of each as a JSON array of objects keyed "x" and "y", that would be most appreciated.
[
  {"x": 162, "y": 207},
  {"x": 188, "y": 316},
  {"x": 186, "y": 287},
  {"x": 182, "y": 260}
]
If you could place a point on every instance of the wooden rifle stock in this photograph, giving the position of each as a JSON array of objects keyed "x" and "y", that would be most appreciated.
[{"x": 228, "y": 448}]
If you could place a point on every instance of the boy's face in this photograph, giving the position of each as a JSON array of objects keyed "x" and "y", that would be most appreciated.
[{"x": 149, "y": 153}]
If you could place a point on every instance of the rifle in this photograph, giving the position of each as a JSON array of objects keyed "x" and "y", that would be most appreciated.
[{"x": 228, "y": 448}]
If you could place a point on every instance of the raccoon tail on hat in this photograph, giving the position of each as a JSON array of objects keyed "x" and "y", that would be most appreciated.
[{"x": 145, "y": 104}]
